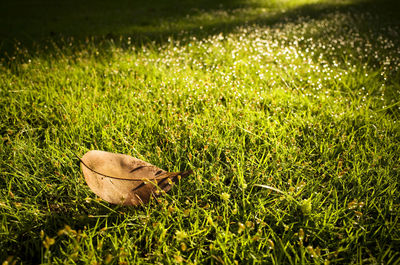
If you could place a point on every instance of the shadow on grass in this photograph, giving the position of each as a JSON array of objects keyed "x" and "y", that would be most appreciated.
[
  {"x": 47, "y": 23},
  {"x": 33, "y": 232}
]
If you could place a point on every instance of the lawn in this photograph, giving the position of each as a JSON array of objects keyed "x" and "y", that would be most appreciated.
[{"x": 287, "y": 112}]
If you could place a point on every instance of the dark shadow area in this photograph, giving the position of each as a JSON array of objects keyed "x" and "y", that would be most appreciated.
[
  {"x": 30, "y": 243},
  {"x": 43, "y": 21},
  {"x": 36, "y": 19}
]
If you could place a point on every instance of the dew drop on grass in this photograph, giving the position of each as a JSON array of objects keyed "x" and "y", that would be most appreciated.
[{"x": 271, "y": 244}]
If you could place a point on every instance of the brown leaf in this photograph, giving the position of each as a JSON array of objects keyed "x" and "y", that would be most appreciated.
[{"x": 126, "y": 180}]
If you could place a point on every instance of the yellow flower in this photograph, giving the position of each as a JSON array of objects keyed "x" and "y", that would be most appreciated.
[
  {"x": 180, "y": 235},
  {"x": 225, "y": 196}
]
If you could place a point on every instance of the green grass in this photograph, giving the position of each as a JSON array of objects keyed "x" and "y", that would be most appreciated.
[{"x": 304, "y": 98}]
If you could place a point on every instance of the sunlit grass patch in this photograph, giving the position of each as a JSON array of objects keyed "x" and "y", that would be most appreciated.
[{"x": 291, "y": 128}]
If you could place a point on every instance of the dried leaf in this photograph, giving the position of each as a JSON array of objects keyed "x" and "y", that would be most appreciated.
[{"x": 126, "y": 180}]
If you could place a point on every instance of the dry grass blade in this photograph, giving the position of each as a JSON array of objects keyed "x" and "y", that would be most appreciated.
[{"x": 269, "y": 187}]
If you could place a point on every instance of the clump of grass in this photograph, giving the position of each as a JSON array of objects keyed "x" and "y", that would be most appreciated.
[{"x": 307, "y": 106}]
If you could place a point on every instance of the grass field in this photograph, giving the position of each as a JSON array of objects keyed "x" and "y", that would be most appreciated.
[{"x": 300, "y": 96}]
